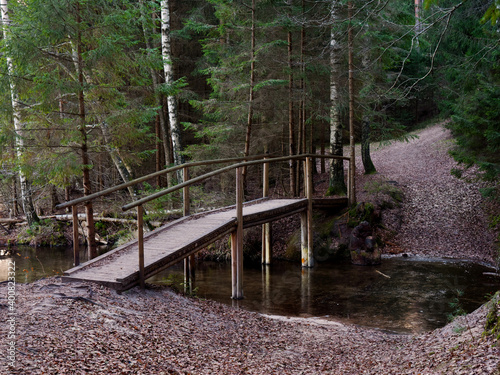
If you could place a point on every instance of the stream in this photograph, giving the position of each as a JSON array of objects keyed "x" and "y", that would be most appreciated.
[{"x": 402, "y": 295}]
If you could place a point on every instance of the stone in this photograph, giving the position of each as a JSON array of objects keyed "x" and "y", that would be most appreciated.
[{"x": 363, "y": 246}]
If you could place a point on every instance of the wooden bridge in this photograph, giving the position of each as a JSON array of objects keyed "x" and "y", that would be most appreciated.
[{"x": 131, "y": 264}]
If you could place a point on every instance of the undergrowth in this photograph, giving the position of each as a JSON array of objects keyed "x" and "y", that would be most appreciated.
[{"x": 48, "y": 232}]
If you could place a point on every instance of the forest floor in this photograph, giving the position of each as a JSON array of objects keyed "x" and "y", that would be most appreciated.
[{"x": 83, "y": 328}]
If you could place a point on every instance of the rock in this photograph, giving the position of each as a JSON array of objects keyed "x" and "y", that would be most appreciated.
[{"x": 363, "y": 246}]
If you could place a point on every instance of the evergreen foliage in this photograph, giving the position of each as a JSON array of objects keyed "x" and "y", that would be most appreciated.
[
  {"x": 469, "y": 67},
  {"x": 402, "y": 76}
]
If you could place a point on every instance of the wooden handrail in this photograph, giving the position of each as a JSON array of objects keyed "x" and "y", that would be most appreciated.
[
  {"x": 222, "y": 170},
  {"x": 151, "y": 176},
  {"x": 248, "y": 161}
]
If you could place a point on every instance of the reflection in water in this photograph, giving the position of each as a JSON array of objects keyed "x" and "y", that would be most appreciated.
[
  {"x": 36, "y": 263},
  {"x": 402, "y": 294}
]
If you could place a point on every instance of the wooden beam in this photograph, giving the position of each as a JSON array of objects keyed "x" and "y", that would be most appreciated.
[
  {"x": 237, "y": 240},
  {"x": 266, "y": 228},
  {"x": 140, "y": 237},
  {"x": 303, "y": 239},
  {"x": 189, "y": 261},
  {"x": 185, "y": 193},
  {"x": 76, "y": 240},
  {"x": 266, "y": 243},
  {"x": 309, "y": 190}
]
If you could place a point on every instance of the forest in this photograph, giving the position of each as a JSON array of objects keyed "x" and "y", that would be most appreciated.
[{"x": 96, "y": 93}]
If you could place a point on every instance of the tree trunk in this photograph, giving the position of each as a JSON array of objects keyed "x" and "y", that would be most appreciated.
[
  {"x": 251, "y": 94},
  {"x": 26, "y": 194},
  {"x": 158, "y": 158},
  {"x": 352, "y": 162},
  {"x": 291, "y": 122},
  {"x": 166, "y": 48},
  {"x": 87, "y": 188},
  {"x": 54, "y": 200},
  {"x": 365, "y": 147},
  {"x": 368, "y": 165},
  {"x": 322, "y": 145},
  {"x": 15, "y": 208},
  {"x": 418, "y": 20},
  {"x": 121, "y": 166},
  {"x": 337, "y": 184}
]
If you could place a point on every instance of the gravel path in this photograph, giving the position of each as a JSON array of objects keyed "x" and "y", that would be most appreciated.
[{"x": 83, "y": 328}]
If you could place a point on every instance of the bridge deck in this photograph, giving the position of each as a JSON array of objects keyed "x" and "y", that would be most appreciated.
[{"x": 165, "y": 246}]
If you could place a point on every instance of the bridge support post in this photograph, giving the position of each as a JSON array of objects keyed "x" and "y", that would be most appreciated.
[
  {"x": 76, "y": 240},
  {"x": 266, "y": 243},
  {"x": 237, "y": 241},
  {"x": 266, "y": 228},
  {"x": 306, "y": 219},
  {"x": 303, "y": 239},
  {"x": 140, "y": 236}
]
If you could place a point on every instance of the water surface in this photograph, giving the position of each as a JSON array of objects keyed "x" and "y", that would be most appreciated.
[{"x": 401, "y": 295}]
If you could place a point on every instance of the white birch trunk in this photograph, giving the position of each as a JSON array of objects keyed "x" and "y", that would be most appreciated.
[
  {"x": 166, "y": 49},
  {"x": 159, "y": 99},
  {"x": 337, "y": 184},
  {"x": 27, "y": 201},
  {"x": 418, "y": 20}
]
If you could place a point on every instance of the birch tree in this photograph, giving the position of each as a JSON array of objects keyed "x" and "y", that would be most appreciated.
[
  {"x": 26, "y": 194},
  {"x": 166, "y": 48}
]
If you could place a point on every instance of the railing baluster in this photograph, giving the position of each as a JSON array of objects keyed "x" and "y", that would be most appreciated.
[
  {"x": 140, "y": 235},
  {"x": 266, "y": 228},
  {"x": 76, "y": 240},
  {"x": 185, "y": 193},
  {"x": 237, "y": 240},
  {"x": 309, "y": 195}
]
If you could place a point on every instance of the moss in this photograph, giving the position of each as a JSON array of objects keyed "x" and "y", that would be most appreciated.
[
  {"x": 385, "y": 188},
  {"x": 361, "y": 212},
  {"x": 48, "y": 232},
  {"x": 338, "y": 189},
  {"x": 492, "y": 326}
]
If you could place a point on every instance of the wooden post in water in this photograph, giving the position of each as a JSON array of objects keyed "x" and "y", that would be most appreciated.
[
  {"x": 309, "y": 189},
  {"x": 140, "y": 236},
  {"x": 266, "y": 228},
  {"x": 303, "y": 239},
  {"x": 76, "y": 240},
  {"x": 237, "y": 241}
]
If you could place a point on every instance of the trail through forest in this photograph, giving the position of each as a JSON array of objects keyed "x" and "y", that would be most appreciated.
[{"x": 441, "y": 215}]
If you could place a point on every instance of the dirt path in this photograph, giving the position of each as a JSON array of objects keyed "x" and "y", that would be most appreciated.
[{"x": 441, "y": 214}]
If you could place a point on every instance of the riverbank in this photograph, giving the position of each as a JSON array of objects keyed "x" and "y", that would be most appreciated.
[{"x": 87, "y": 329}]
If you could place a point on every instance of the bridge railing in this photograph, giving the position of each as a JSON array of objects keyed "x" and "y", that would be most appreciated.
[{"x": 241, "y": 163}]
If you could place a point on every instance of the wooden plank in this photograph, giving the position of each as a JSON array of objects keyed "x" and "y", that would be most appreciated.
[
  {"x": 237, "y": 241},
  {"x": 175, "y": 241},
  {"x": 76, "y": 241},
  {"x": 309, "y": 190},
  {"x": 140, "y": 234}
]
